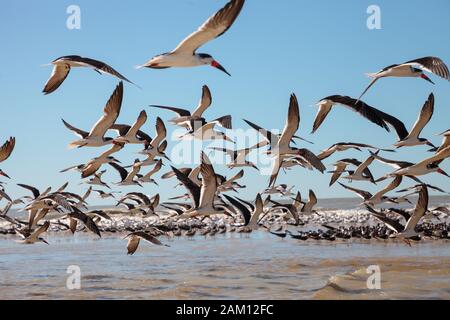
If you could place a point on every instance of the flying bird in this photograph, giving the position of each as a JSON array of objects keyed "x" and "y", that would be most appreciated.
[
  {"x": 414, "y": 69},
  {"x": 185, "y": 55},
  {"x": 370, "y": 113},
  {"x": 135, "y": 237},
  {"x": 63, "y": 65},
  {"x": 409, "y": 139},
  {"x": 5, "y": 153},
  {"x": 95, "y": 138}
]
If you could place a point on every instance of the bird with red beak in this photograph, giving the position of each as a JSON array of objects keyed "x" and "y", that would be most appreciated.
[
  {"x": 185, "y": 55},
  {"x": 3, "y": 173}
]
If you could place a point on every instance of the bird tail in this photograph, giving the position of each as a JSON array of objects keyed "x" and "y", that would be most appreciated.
[{"x": 371, "y": 75}]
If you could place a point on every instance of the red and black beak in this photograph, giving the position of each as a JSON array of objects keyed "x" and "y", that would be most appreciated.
[
  {"x": 2, "y": 173},
  {"x": 443, "y": 172},
  {"x": 217, "y": 65},
  {"x": 425, "y": 77}
]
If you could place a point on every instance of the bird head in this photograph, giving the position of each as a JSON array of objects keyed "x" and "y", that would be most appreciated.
[
  {"x": 209, "y": 60},
  {"x": 2, "y": 173},
  {"x": 425, "y": 77}
]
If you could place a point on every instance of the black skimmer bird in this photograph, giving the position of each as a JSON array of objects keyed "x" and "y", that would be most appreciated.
[
  {"x": 282, "y": 190},
  {"x": 188, "y": 120},
  {"x": 396, "y": 165},
  {"x": 362, "y": 172},
  {"x": 135, "y": 237},
  {"x": 128, "y": 178},
  {"x": 343, "y": 146},
  {"x": 148, "y": 177},
  {"x": 206, "y": 133},
  {"x": 426, "y": 166},
  {"x": 280, "y": 145},
  {"x": 407, "y": 231},
  {"x": 238, "y": 157},
  {"x": 184, "y": 55},
  {"x": 308, "y": 207},
  {"x": 5, "y": 153},
  {"x": 156, "y": 147},
  {"x": 414, "y": 69},
  {"x": 63, "y": 65},
  {"x": 370, "y": 113},
  {"x": 95, "y": 138},
  {"x": 132, "y": 134},
  {"x": 95, "y": 164},
  {"x": 293, "y": 209},
  {"x": 96, "y": 180},
  {"x": 105, "y": 195},
  {"x": 378, "y": 198},
  {"x": 203, "y": 197},
  {"x": 144, "y": 204},
  {"x": 224, "y": 184},
  {"x": 250, "y": 213},
  {"x": 87, "y": 220},
  {"x": 410, "y": 139},
  {"x": 35, "y": 236}
]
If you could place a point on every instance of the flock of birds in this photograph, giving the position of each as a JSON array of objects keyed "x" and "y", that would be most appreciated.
[{"x": 211, "y": 210}]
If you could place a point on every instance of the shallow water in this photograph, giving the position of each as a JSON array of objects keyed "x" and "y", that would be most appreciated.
[{"x": 231, "y": 266}]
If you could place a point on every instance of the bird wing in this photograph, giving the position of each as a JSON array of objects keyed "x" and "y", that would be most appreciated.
[
  {"x": 425, "y": 116},
  {"x": 178, "y": 111},
  {"x": 204, "y": 103},
  {"x": 40, "y": 230},
  {"x": 420, "y": 209},
  {"x": 339, "y": 169},
  {"x": 292, "y": 122},
  {"x": 99, "y": 66},
  {"x": 394, "y": 184},
  {"x": 363, "y": 166},
  {"x": 209, "y": 182},
  {"x": 155, "y": 169},
  {"x": 214, "y": 27},
  {"x": 322, "y": 113},
  {"x": 7, "y": 149},
  {"x": 361, "y": 193},
  {"x": 432, "y": 64},
  {"x": 390, "y": 223},
  {"x": 374, "y": 80},
  {"x": 237, "y": 176},
  {"x": 312, "y": 201},
  {"x": 59, "y": 74},
  {"x": 122, "y": 171},
  {"x": 82, "y": 134},
  {"x": 192, "y": 188},
  {"x": 87, "y": 221},
  {"x": 140, "y": 121},
  {"x": 34, "y": 190},
  {"x": 438, "y": 157},
  {"x": 245, "y": 212},
  {"x": 312, "y": 159},
  {"x": 133, "y": 244},
  {"x": 148, "y": 237},
  {"x": 370, "y": 113},
  {"x": 161, "y": 133},
  {"x": 111, "y": 113},
  {"x": 270, "y": 137}
]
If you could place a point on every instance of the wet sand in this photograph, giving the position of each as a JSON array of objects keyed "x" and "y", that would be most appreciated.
[{"x": 229, "y": 266}]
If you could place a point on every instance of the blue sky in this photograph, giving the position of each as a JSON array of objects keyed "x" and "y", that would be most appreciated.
[{"x": 312, "y": 48}]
